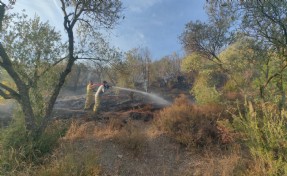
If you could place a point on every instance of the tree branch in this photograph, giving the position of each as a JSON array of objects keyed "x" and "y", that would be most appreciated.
[
  {"x": 10, "y": 90},
  {"x": 274, "y": 75},
  {"x": 4, "y": 95},
  {"x": 54, "y": 64},
  {"x": 93, "y": 59}
]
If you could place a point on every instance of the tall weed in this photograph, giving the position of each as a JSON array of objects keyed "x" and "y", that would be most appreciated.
[{"x": 264, "y": 132}]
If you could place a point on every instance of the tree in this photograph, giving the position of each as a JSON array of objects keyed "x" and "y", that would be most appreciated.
[
  {"x": 31, "y": 47},
  {"x": 203, "y": 42},
  {"x": 134, "y": 69},
  {"x": 208, "y": 40},
  {"x": 266, "y": 22},
  {"x": 87, "y": 16},
  {"x": 166, "y": 69},
  {"x": 245, "y": 59}
]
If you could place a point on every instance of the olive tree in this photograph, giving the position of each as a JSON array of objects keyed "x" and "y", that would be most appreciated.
[{"x": 27, "y": 68}]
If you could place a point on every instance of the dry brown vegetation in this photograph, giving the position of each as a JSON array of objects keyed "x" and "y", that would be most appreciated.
[
  {"x": 181, "y": 139},
  {"x": 194, "y": 125},
  {"x": 126, "y": 145},
  {"x": 132, "y": 138}
]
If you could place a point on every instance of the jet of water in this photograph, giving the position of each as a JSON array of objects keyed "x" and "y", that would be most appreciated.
[{"x": 154, "y": 97}]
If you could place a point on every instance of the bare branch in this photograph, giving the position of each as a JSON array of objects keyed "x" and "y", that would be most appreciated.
[
  {"x": 93, "y": 59},
  {"x": 54, "y": 64}
]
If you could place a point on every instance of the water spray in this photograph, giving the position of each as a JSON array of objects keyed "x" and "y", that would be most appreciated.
[{"x": 154, "y": 97}]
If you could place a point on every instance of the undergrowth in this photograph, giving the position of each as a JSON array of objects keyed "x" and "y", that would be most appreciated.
[
  {"x": 132, "y": 139},
  {"x": 264, "y": 133},
  {"x": 72, "y": 159},
  {"x": 194, "y": 125},
  {"x": 20, "y": 150}
]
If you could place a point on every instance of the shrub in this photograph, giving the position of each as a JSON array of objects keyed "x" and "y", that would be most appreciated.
[
  {"x": 203, "y": 92},
  {"x": 193, "y": 125},
  {"x": 265, "y": 134}
]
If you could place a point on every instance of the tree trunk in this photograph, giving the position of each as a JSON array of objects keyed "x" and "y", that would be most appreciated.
[
  {"x": 77, "y": 78},
  {"x": 28, "y": 113},
  {"x": 23, "y": 96},
  {"x": 63, "y": 75}
]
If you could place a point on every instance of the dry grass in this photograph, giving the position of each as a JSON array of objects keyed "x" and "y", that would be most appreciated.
[
  {"x": 219, "y": 165},
  {"x": 132, "y": 139},
  {"x": 216, "y": 163},
  {"x": 115, "y": 124},
  {"x": 79, "y": 130},
  {"x": 107, "y": 130},
  {"x": 72, "y": 159}
]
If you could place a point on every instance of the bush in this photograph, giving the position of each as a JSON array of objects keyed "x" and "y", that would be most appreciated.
[
  {"x": 193, "y": 125},
  {"x": 265, "y": 134},
  {"x": 19, "y": 148},
  {"x": 203, "y": 92}
]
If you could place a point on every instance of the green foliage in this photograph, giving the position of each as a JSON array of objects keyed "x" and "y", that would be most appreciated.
[
  {"x": 207, "y": 80},
  {"x": 240, "y": 55},
  {"x": 192, "y": 62},
  {"x": 203, "y": 92},
  {"x": 20, "y": 148},
  {"x": 207, "y": 39},
  {"x": 6, "y": 80},
  {"x": 264, "y": 133},
  {"x": 32, "y": 51}
]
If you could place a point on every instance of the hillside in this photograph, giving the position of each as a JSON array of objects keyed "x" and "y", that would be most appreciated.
[{"x": 123, "y": 140}]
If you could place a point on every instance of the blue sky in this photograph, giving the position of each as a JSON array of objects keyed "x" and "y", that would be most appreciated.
[{"x": 155, "y": 24}]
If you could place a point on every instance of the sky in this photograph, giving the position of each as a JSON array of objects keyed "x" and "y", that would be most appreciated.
[{"x": 152, "y": 24}]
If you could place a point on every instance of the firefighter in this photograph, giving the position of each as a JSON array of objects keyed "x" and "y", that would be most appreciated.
[
  {"x": 102, "y": 88},
  {"x": 90, "y": 95}
]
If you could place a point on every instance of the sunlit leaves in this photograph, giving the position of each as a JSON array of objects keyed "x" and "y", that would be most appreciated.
[
  {"x": 192, "y": 62},
  {"x": 203, "y": 91},
  {"x": 32, "y": 45}
]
